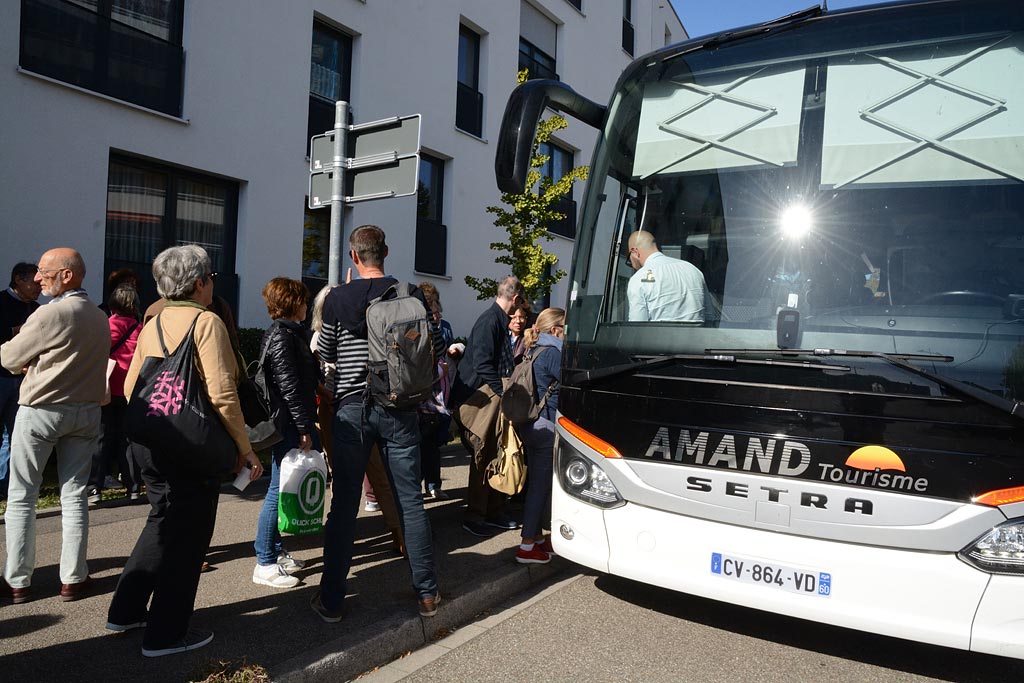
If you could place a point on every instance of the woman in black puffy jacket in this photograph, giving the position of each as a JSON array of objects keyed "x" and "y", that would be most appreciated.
[{"x": 292, "y": 375}]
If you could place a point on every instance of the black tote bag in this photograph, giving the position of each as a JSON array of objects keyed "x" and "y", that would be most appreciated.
[{"x": 170, "y": 413}]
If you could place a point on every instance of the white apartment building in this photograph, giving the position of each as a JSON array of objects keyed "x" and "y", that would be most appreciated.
[{"x": 133, "y": 125}]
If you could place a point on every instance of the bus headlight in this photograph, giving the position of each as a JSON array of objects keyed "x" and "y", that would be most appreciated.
[
  {"x": 583, "y": 479},
  {"x": 1000, "y": 551}
]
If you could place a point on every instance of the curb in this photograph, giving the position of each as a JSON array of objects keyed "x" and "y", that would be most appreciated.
[{"x": 390, "y": 638}]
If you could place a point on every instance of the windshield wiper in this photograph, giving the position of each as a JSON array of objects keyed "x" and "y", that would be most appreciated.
[
  {"x": 731, "y": 36},
  {"x": 586, "y": 377},
  {"x": 900, "y": 360}
]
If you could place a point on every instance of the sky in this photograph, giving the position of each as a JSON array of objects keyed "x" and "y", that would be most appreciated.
[{"x": 701, "y": 17}]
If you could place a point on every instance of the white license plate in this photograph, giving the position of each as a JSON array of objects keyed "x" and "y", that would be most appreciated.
[{"x": 771, "y": 575}]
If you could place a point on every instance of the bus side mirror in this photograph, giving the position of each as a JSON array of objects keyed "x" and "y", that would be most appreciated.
[{"x": 519, "y": 126}]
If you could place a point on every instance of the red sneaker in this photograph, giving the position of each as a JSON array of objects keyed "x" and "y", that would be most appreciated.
[
  {"x": 533, "y": 556},
  {"x": 545, "y": 545}
]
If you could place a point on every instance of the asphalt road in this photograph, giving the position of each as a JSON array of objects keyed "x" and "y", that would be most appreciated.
[{"x": 603, "y": 629}]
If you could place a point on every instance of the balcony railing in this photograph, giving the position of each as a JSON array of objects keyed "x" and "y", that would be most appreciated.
[
  {"x": 627, "y": 36},
  {"x": 431, "y": 247},
  {"x": 537, "y": 69},
  {"x": 567, "y": 226},
  {"x": 469, "y": 110},
  {"x": 72, "y": 44}
]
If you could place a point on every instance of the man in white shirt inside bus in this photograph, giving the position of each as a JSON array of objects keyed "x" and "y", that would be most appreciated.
[{"x": 662, "y": 288}]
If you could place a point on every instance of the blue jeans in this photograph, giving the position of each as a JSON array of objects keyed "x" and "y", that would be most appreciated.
[
  {"x": 268, "y": 538},
  {"x": 397, "y": 434},
  {"x": 539, "y": 438},
  {"x": 10, "y": 387}
]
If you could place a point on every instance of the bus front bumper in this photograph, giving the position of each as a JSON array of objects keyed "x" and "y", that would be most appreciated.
[{"x": 928, "y": 597}]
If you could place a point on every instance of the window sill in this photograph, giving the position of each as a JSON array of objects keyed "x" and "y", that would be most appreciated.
[
  {"x": 438, "y": 277},
  {"x": 470, "y": 135},
  {"x": 108, "y": 98}
]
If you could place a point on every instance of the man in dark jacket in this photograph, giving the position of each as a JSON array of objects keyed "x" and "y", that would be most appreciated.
[
  {"x": 17, "y": 302},
  {"x": 477, "y": 392}
]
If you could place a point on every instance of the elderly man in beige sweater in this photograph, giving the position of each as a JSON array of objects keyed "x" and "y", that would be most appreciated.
[{"x": 62, "y": 348}]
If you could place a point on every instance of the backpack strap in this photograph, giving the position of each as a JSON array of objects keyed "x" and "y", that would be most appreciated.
[
  {"x": 124, "y": 338},
  {"x": 263, "y": 351}
]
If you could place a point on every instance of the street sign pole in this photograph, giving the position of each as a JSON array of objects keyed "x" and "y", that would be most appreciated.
[
  {"x": 337, "y": 193},
  {"x": 360, "y": 163}
]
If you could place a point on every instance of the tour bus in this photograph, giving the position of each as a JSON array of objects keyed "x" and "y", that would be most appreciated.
[{"x": 839, "y": 438}]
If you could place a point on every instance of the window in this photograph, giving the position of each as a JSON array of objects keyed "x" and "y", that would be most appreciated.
[
  {"x": 627, "y": 26},
  {"x": 537, "y": 43},
  {"x": 469, "y": 102},
  {"x": 431, "y": 233},
  {"x": 560, "y": 161},
  {"x": 578, "y": 4},
  {"x": 151, "y": 207},
  {"x": 126, "y": 49},
  {"x": 330, "y": 77}
]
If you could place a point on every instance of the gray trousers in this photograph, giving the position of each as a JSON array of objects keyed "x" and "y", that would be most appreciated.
[{"x": 73, "y": 430}]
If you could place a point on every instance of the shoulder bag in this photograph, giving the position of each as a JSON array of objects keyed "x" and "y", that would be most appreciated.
[{"x": 170, "y": 413}]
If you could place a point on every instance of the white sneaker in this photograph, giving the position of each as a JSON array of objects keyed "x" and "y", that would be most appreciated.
[
  {"x": 273, "y": 575},
  {"x": 371, "y": 506},
  {"x": 289, "y": 563}
]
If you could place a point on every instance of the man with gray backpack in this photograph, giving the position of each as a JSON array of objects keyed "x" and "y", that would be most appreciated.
[{"x": 385, "y": 344}]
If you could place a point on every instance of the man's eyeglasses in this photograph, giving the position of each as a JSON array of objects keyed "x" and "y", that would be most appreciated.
[
  {"x": 49, "y": 273},
  {"x": 213, "y": 276}
]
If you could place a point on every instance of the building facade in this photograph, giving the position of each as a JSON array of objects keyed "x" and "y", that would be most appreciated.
[{"x": 133, "y": 125}]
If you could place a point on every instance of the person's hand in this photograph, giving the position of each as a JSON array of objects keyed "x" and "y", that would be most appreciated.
[
  {"x": 255, "y": 466},
  {"x": 305, "y": 442}
]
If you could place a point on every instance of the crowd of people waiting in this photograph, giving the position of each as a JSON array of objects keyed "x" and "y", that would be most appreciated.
[{"x": 63, "y": 392}]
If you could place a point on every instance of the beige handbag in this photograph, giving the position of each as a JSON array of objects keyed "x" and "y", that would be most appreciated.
[{"x": 507, "y": 472}]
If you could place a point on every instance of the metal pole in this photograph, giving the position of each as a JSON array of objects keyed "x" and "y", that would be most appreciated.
[{"x": 337, "y": 193}]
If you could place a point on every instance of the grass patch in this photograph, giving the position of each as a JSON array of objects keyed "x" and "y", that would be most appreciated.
[{"x": 233, "y": 672}]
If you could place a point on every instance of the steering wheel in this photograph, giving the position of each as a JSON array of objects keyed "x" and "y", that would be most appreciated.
[{"x": 985, "y": 297}]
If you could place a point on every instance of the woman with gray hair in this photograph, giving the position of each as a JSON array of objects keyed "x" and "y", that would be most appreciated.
[{"x": 167, "y": 558}]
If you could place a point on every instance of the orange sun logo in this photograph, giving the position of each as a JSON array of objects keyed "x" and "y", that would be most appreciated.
[{"x": 872, "y": 457}]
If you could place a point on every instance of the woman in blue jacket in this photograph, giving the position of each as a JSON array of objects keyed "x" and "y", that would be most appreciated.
[{"x": 544, "y": 345}]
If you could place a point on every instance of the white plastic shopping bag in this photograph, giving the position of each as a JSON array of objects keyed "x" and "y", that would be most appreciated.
[{"x": 303, "y": 490}]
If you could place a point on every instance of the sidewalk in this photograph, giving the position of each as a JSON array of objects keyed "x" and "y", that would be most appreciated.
[{"x": 47, "y": 639}]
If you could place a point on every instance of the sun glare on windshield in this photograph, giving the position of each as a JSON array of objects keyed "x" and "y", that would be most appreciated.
[{"x": 795, "y": 222}]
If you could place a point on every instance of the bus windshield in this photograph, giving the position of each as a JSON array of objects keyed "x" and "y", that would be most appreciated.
[{"x": 858, "y": 190}]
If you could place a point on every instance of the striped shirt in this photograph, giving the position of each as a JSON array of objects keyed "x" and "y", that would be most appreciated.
[{"x": 342, "y": 340}]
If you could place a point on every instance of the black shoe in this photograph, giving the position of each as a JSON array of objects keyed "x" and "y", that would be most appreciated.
[
  {"x": 504, "y": 523},
  {"x": 435, "y": 493},
  {"x": 478, "y": 529},
  {"x": 193, "y": 640},
  {"x": 94, "y": 496},
  {"x": 328, "y": 615}
]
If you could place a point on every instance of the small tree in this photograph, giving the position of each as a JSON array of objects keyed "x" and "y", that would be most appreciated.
[{"x": 526, "y": 221}]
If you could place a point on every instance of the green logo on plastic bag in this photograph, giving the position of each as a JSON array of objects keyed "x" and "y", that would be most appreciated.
[{"x": 302, "y": 512}]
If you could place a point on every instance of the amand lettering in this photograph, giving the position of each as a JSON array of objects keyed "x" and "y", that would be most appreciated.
[{"x": 768, "y": 455}]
